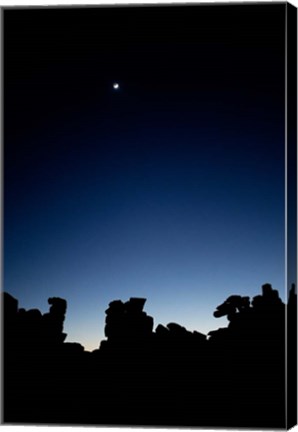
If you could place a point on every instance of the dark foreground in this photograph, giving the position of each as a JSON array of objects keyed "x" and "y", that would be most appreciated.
[{"x": 167, "y": 377}]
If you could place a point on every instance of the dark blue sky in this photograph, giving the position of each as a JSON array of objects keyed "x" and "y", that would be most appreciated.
[{"x": 171, "y": 187}]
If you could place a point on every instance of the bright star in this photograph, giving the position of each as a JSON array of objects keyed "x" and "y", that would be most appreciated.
[{"x": 116, "y": 86}]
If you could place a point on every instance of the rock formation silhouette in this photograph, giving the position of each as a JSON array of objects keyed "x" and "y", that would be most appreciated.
[
  {"x": 127, "y": 320},
  {"x": 232, "y": 377}
]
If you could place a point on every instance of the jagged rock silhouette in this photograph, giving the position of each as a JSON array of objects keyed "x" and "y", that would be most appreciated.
[
  {"x": 52, "y": 322},
  {"x": 235, "y": 377},
  {"x": 127, "y": 320}
]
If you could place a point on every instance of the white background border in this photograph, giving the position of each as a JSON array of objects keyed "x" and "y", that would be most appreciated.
[
  {"x": 115, "y": 2},
  {"x": 25, "y": 3}
]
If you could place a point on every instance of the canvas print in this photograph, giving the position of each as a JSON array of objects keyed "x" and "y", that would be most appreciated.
[{"x": 149, "y": 205}]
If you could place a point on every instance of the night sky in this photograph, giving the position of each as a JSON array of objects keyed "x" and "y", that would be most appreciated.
[{"x": 170, "y": 187}]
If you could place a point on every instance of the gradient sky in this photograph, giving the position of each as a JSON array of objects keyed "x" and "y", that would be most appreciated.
[{"x": 169, "y": 188}]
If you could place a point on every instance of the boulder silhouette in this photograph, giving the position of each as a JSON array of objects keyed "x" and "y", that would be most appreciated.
[
  {"x": 52, "y": 322},
  {"x": 127, "y": 320}
]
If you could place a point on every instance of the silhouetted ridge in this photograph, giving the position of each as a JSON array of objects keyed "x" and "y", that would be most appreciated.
[
  {"x": 30, "y": 328},
  {"x": 235, "y": 377}
]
